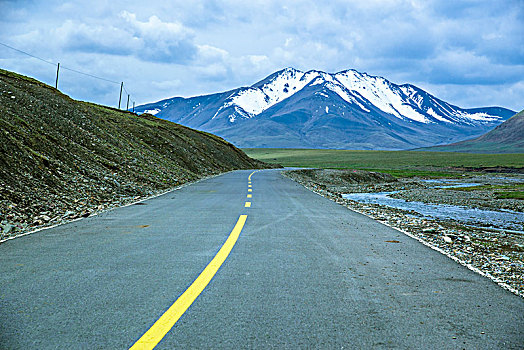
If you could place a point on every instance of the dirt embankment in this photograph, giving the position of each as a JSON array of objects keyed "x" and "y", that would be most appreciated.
[
  {"x": 62, "y": 159},
  {"x": 496, "y": 252}
]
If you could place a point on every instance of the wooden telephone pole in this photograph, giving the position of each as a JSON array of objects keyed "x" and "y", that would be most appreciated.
[
  {"x": 57, "y": 70},
  {"x": 120, "y": 98}
]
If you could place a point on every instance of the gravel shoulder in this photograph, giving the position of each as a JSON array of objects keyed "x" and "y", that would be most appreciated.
[
  {"x": 21, "y": 224},
  {"x": 496, "y": 252}
]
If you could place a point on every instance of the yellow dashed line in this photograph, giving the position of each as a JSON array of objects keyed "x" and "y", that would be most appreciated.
[
  {"x": 250, "y": 190},
  {"x": 160, "y": 328},
  {"x": 249, "y": 195},
  {"x": 248, "y": 204}
]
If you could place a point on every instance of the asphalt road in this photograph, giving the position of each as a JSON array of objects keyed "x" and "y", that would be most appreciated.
[{"x": 304, "y": 273}]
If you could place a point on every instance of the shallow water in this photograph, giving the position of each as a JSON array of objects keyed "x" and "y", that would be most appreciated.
[
  {"x": 505, "y": 219},
  {"x": 449, "y": 183}
]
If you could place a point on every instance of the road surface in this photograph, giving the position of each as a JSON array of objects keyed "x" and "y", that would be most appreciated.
[{"x": 304, "y": 273}]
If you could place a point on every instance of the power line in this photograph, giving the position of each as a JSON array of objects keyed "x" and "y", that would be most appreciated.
[
  {"x": 129, "y": 94},
  {"x": 28, "y": 54},
  {"x": 90, "y": 75},
  {"x": 63, "y": 67},
  {"x": 72, "y": 70}
]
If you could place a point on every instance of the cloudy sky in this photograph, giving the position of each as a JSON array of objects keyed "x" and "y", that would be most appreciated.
[{"x": 469, "y": 53}]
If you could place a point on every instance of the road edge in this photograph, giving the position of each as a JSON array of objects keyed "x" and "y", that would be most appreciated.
[
  {"x": 155, "y": 195},
  {"x": 427, "y": 244}
]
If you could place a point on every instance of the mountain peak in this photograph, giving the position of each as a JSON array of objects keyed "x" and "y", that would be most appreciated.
[
  {"x": 290, "y": 69},
  {"x": 349, "y": 99}
]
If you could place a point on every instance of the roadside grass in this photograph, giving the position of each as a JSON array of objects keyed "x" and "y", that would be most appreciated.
[
  {"x": 514, "y": 191},
  {"x": 396, "y": 163},
  {"x": 399, "y": 173},
  {"x": 510, "y": 195},
  {"x": 515, "y": 187}
]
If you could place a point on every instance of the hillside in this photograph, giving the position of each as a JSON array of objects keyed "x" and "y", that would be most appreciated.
[
  {"x": 344, "y": 110},
  {"x": 508, "y": 137},
  {"x": 61, "y": 158}
]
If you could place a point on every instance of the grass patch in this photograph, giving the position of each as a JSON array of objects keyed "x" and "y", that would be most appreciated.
[
  {"x": 515, "y": 187},
  {"x": 515, "y": 191},
  {"x": 396, "y": 163},
  {"x": 510, "y": 195},
  {"x": 399, "y": 173}
]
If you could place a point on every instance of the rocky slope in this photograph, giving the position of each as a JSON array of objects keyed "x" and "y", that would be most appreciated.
[
  {"x": 508, "y": 137},
  {"x": 344, "y": 110},
  {"x": 62, "y": 159}
]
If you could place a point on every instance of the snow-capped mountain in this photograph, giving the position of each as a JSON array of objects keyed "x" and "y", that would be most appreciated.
[{"x": 315, "y": 109}]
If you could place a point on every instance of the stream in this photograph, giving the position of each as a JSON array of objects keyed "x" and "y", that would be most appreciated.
[{"x": 506, "y": 219}]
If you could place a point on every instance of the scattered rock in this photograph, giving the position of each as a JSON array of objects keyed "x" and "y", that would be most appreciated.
[
  {"x": 429, "y": 230},
  {"x": 7, "y": 229}
]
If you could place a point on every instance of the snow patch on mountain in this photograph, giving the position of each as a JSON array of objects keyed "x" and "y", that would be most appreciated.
[
  {"x": 152, "y": 111},
  {"x": 432, "y": 113},
  {"x": 380, "y": 93},
  {"x": 342, "y": 91},
  {"x": 476, "y": 116},
  {"x": 256, "y": 100},
  {"x": 253, "y": 101}
]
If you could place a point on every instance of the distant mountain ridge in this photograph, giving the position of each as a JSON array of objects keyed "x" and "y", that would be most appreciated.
[
  {"x": 314, "y": 109},
  {"x": 508, "y": 137}
]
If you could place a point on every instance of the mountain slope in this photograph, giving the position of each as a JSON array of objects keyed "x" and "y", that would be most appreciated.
[
  {"x": 59, "y": 156},
  {"x": 508, "y": 137},
  {"x": 315, "y": 109}
]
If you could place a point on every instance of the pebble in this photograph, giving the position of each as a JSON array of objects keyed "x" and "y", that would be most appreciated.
[
  {"x": 429, "y": 230},
  {"x": 7, "y": 228}
]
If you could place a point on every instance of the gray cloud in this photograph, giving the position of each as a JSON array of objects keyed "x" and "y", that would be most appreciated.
[
  {"x": 151, "y": 40},
  {"x": 205, "y": 46}
]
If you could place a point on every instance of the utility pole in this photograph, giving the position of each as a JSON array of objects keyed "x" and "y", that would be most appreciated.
[
  {"x": 57, "y": 70},
  {"x": 133, "y": 106},
  {"x": 120, "y": 98},
  {"x": 127, "y": 107}
]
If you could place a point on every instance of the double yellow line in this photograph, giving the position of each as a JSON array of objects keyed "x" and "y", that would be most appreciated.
[{"x": 160, "y": 328}]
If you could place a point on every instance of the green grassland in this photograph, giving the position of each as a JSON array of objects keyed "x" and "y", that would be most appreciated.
[
  {"x": 397, "y": 163},
  {"x": 519, "y": 186},
  {"x": 513, "y": 191}
]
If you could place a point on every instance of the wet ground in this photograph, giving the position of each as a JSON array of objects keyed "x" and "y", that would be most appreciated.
[{"x": 481, "y": 216}]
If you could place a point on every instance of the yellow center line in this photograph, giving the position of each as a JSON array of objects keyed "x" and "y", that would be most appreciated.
[
  {"x": 160, "y": 328},
  {"x": 249, "y": 186},
  {"x": 249, "y": 195},
  {"x": 248, "y": 204},
  {"x": 250, "y": 190}
]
